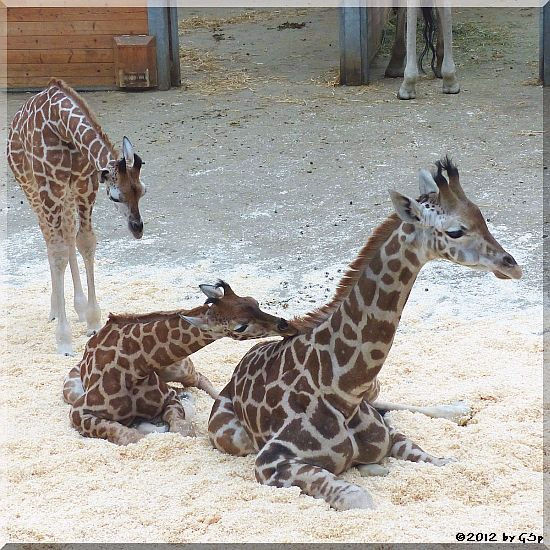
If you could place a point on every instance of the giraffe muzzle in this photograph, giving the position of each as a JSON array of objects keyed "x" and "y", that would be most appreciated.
[
  {"x": 510, "y": 268},
  {"x": 136, "y": 228}
]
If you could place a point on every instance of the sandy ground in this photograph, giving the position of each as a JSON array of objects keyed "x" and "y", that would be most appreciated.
[{"x": 274, "y": 186}]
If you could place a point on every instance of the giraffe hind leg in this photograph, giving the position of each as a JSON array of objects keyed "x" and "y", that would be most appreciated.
[
  {"x": 458, "y": 412},
  {"x": 225, "y": 431}
]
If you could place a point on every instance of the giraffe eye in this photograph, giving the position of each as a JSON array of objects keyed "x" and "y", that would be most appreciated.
[
  {"x": 455, "y": 234},
  {"x": 240, "y": 328}
]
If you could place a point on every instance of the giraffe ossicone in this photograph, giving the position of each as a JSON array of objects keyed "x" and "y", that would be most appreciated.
[
  {"x": 306, "y": 404},
  {"x": 123, "y": 374},
  {"x": 59, "y": 154}
]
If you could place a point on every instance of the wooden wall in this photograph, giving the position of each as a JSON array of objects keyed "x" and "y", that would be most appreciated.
[{"x": 75, "y": 44}]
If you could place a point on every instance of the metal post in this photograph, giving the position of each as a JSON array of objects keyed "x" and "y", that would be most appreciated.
[
  {"x": 175, "y": 73},
  {"x": 159, "y": 26},
  {"x": 544, "y": 44},
  {"x": 354, "y": 58}
]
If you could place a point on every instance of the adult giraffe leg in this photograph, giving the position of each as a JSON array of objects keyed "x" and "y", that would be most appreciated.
[
  {"x": 399, "y": 50},
  {"x": 185, "y": 373},
  {"x": 225, "y": 430},
  {"x": 276, "y": 465},
  {"x": 438, "y": 46},
  {"x": 448, "y": 69},
  {"x": 458, "y": 412},
  {"x": 408, "y": 86}
]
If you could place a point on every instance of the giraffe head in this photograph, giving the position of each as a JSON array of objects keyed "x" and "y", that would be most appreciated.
[
  {"x": 235, "y": 316},
  {"x": 447, "y": 225},
  {"x": 125, "y": 188}
]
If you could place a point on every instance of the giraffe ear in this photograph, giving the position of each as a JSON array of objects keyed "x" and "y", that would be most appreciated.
[
  {"x": 128, "y": 152},
  {"x": 409, "y": 210},
  {"x": 426, "y": 183},
  {"x": 199, "y": 322}
]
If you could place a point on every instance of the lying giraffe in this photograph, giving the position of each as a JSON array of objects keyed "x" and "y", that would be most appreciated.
[
  {"x": 58, "y": 153},
  {"x": 125, "y": 366},
  {"x": 301, "y": 402},
  {"x": 443, "y": 67}
]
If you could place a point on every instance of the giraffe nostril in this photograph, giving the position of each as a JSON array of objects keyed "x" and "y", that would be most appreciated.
[{"x": 508, "y": 261}]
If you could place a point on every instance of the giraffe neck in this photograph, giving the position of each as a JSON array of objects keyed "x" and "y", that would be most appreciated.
[
  {"x": 356, "y": 339},
  {"x": 152, "y": 345},
  {"x": 77, "y": 125}
]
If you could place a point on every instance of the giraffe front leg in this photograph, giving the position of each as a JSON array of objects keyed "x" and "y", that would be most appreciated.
[
  {"x": 185, "y": 373},
  {"x": 406, "y": 449},
  {"x": 179, "y": 415},
  {"x": 86, "y": 244},
  {"x": 277, "y": 466},
  {"x": 89, "y": 425}
]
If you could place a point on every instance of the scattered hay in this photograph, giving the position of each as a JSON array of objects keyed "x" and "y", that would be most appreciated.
[
  {"x": 330, "y": 78},
  {"x": 199, "y": 60},
  {"x": 247, "y": 16},
  {"x": 533, "y": 81}
]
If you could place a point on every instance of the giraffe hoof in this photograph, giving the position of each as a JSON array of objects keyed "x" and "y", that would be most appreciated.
[
  {"x": 372, "y": 470},
  {"x": 404, "y": 94},
  {"x": 354, "y": 499},
  {"x": 444, "y": 461},
  {"x": 91, "y": 332}
]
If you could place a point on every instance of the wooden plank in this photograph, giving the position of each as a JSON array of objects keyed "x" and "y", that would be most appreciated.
[
  {"x": 68, "y": 28},
  {"x": 76, "y": 14},
  {"x": 57, "y": 42},
  {"x": 54, "y": 69},
  {"x": 103, "y": 4},
  {"x": 65, "y": 55},
  {"x": 41, "y": 81}
]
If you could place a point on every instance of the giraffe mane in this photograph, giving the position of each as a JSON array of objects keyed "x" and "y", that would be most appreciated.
[
  {"x": 85, "y": 108},
  {"x": 351, "y": 276},
  {"x": 127, "y": 318}
]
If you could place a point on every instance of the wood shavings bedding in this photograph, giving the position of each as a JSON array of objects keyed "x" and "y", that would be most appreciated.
[{"x": 64, "y": 488}]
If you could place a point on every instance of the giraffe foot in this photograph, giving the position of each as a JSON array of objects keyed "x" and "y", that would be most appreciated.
[
  {"x": 150, "y": 427},
  {"x": 450, "y": 84},
  {"x": 372, "y": 470},
  {"x": 354, "y": 498},
  {"x": 442, "y": 461},
  {"x": 129, "y": 436},
  {"x": 404, "y": 93}
]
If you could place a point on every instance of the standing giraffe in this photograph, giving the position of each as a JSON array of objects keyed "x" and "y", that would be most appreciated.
[
  {"x": 58, "y": 153},
  {"x": 444, "y": 66},
  {"x": 125, "y": 366},
  {"x": 301, "y": 402}
]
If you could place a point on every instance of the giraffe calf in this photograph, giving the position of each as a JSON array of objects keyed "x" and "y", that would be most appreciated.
[{"x": 125, "y": 368}]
